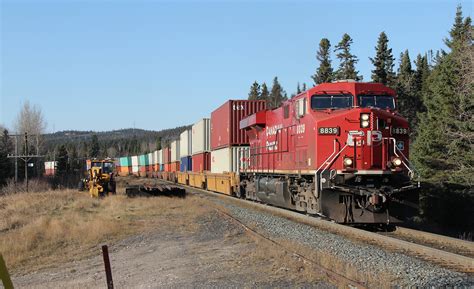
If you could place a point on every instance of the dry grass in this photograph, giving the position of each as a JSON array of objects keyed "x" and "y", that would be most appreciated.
[{"x": 38, "y": 230}]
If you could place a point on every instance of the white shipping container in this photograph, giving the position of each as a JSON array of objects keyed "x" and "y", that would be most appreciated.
[
  {"x": 229, "y": 159},
  {"x": 175, "y": 151},
  {"x": 150, "y": 159},
  {"x": 155, "y": 157},
  {"x": 160, "y": 157},
  {"x": 134, "y": 164},
  {"x": 50, "y": 165},
  {"x": 185, "y": 143},
  {"x": 201, "y": 136}
]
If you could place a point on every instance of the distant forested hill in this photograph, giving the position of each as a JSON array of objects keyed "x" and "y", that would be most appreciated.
[{"x": 114, "y": 143}]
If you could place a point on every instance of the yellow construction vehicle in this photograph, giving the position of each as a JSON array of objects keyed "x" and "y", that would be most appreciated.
[{"x": 100, "y": 179}]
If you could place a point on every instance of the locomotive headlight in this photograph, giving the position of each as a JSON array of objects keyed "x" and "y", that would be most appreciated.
[
  {"x": 364, "y": 120},
  {"x": 396, "y": 162},
  {"x": 347, "y": 162}
]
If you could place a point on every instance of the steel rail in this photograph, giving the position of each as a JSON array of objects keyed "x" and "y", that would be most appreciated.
[{"x": 447, "y": 259}]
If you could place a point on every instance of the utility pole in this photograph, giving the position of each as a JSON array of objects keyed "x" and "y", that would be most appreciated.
[{"x": 26, "y": 157}]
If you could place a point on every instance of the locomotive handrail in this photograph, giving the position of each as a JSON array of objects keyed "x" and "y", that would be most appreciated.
[
  {"x": 408, "y": 164},
  {"x": 327, "y": 163}
]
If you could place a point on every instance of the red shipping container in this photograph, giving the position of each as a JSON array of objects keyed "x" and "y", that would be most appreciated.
[
  {"x": 174, "y": 167},
  {"x": 225, "y": 122},
  {"x": 201, "y": 162},
  {"x": 166, "y": 155},
  {"x": 167, "y": 167}
]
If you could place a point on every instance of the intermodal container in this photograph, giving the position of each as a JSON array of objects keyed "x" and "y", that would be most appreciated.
[
  {"x": 186, "y": 164},
  {"x": 201, "y": 162},
  {"x": 230, "y": 159},
  {"x": 156, "y": 165},
  {"x": 160, "y": 157},
  {"x": 125, "y": 162},
  {"x": 201, "y": 136},
  {"x": 175, "y": 151},
  {"x": 150, "y": 162},
  {"x": 162, "y": 167},
  {"x": 167, "y": 167},
  {"x": 166, "y": 155},
  {"x": 174, "y": 167},
  {"x": 225, "y": 122},
  {"x": 142, "y": 163},
  {"x": 50, "y": 168},
  {"x": 185, "y": 143},
  {"x": 134, "y": 165}
]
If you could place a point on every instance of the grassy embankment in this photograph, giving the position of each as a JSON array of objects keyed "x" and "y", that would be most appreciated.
[{"x": 39, "y": 230}]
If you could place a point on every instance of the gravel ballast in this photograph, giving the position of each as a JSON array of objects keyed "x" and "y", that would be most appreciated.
[{"x": 406, "y": 270}]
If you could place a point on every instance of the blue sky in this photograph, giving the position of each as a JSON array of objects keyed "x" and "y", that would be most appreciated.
[{"x": 103, "y": 65}]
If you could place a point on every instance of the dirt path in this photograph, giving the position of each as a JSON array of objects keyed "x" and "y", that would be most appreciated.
[{"x": 210, "y": 252}]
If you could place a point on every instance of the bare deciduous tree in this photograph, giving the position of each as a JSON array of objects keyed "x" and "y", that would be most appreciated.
[{"x": 30, "y": 119}]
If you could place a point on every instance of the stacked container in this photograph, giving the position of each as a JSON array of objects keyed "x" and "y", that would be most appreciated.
[
  {"x": 185, "y": 148},
  {"x": 125, "y": 166},
  {"x": 50, "y": 168},
  {"x": 135, "y": 165},
  {"x": 149, "y": 167},
  {"x": 166, "y": 159},
  {"x": 160, "y": 161},
  {"x": 200, "y": 148},
  {"x": 156, "y": 164},
  {"x": 143, "y": 163},
  {"x": 174, "y": 164},
  {"x": 229, "y": 144}
]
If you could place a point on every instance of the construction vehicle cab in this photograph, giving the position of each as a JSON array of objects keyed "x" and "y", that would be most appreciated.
[{"x": 100, "y": 179}]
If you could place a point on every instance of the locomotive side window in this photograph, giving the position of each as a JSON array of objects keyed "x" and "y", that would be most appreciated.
[
  {"x": 286, "y": 111},
  {"x": 300, "y": 107},
  {"x": 331, "y": 101},
  {"x": 380, "y": 101}
]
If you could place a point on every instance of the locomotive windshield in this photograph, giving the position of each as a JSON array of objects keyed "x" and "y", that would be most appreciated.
[
  {"x": 331, "y": 101},
  {"x": 380, "y": 101}
]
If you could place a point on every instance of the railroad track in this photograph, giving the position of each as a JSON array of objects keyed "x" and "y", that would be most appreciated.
[{"x": 433, "y": 248}]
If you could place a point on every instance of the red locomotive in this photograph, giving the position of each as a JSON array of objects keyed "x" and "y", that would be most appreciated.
[{"x": 339, "y": 150}]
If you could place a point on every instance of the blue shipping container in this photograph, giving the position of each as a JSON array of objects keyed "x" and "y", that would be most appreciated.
[
  {"x": 125, "y": 162},
  {"x": 186, "y": 164},
  {"x": 162, "y": 167}
]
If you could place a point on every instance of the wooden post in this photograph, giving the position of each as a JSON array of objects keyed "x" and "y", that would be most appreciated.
[
  {"x": 108, "y": 270},
  {"x": 4, "y": 276}
]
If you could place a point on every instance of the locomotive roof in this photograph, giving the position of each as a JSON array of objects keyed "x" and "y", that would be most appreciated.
[{"x": 354, "y": 88}]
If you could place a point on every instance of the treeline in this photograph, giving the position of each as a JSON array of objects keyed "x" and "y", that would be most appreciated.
[{"x": 71, "y": 148}]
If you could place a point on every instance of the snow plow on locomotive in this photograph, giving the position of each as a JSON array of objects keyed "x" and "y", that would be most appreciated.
[{"x": 339, "y": 150}]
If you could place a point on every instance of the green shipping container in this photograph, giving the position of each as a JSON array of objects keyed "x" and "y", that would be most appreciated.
[
  {"x": 143, "y": 160},
  {"x": 125, "y": 162}
]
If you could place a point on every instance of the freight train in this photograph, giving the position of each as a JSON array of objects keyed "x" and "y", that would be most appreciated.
[{"x": 338, "y": 150}]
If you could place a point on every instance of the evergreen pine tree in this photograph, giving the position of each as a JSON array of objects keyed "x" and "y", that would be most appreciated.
[
  {"x": 254, "y": 93},
  {"x": 347, "y": 60},
  {"x": 265, "y": 94},
  {"x": 94, "y": 149},
  {"x": 277, "y": 94},
  {"x": 443, "y": 148},
  {"x": 298, "y": 88},
  {"x": 62, "y": 168},
  {"x": 421, "y": 72},
  {"x": 324, "y": 73},
  {"x": 75, "y": 164},
  {"x": 303, "y": 88},
  {"x": 409, "y": 100},
  {"x": 383, "y": 62},
  {"x": 6, "y": 166}
]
